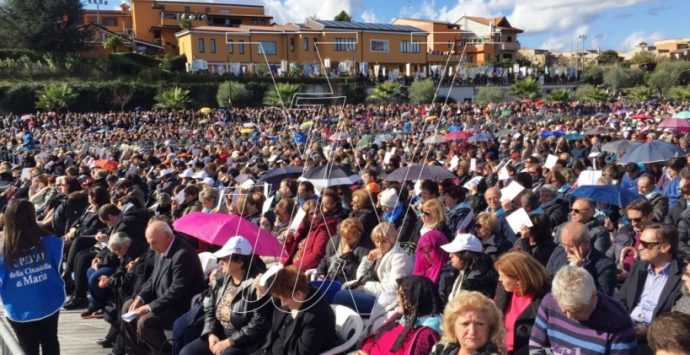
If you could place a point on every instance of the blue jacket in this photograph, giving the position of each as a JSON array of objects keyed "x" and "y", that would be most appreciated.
[
  {"x": 33, "y": 289},
  {"x": 672, "y": 191}
]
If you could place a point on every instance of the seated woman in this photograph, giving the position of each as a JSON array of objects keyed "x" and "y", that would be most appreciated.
[
  {"x": 378, "y": 272},
  {"x": 537, "y": 240},
  {"x": 433, "y": 218},
  {"x": 493, "y": 244},
  {"x": 363, "y": 210},
  {"x": 307, "y": 246},
  {"x": 305, "y": 324},
  {"x": 473, "y": 269},
  {"x": 209, "y": 199},
  {"x": 430, "y": 258},
  {"x": 235, "y": 317},
  {"x": 472, "y": 324},
  {"x": 415, "y": 327},
  {"x": 523, "y": 283},
  {"x": 343, "y": 255},
  {"x": 190, "y": 204}
]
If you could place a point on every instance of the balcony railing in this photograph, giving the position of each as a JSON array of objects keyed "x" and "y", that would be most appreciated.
[{"x": 510, "y": 46}]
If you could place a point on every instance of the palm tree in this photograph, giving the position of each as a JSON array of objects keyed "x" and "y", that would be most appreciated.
[
  {"x": 281, "y": 95},
  {"x": 387, "y": 91},
  {"x": 639, "y": 93},
  {"x": 56, "y": 97},
  {"x": 589, "y": 93},
  {"x": 680, "y": 93},
  {"x": 527, "y": 88},
  {"x": 559, "y": 95},
  {"x": 175, "y": 98},
  {"x": 114, "y": 42}
]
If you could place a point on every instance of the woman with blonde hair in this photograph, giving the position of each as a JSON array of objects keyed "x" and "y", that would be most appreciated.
[
  {"x": 429, "y": 257},
  {"x": 523, "y": 283},
  {"x": 433, "y": 218},
  {"x": 472, "y": 324}
]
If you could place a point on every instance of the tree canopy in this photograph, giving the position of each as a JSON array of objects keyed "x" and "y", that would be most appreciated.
[
  {"x": 42, "y": 25},
  {"x": 343, "y": 16}
]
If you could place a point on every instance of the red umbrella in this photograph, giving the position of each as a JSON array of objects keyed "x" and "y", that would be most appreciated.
[
  {"x": 217, "y": 228},
  {"x": 106, "y": 164},
  {"x": 539, "y": 103},
  {"x": 641, "y": 116},
  {"x": 526, "y": 101},
  {"x": 457, "y": 136}
]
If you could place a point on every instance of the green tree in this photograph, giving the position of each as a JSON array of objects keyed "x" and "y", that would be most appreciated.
[
  {"x": 388, "y": 91},
  {"x": 343, "y": 16},
  {"x": 559, "y": 95},
  {"x": 679, "y": 93},
  {"x": 55, "y": 97},
  {"x": 422, "y": 91},
  {"x": 114, "y": 43},
  {"x": 527, "y": 88},
  {"x": 354, "y": 94},
  {"x": 488, "y": 94},
  {"x": 42, "y": 25},
  {"x": 186, "y": 23},
  {"x": 661, "y": 81},
  {"x": 609, "y": 57},
  {"x": 173, "y": 99},
  {"x": 281, "y": 95},
  {"x": 639, "y": 93},
  {"x": 593, "y": 75},
  {"x": 616, "y": 78},
  {"x": 643, "y": 58},
  {"x": 589, "y": 93},
  {"x": 232, "y": 93}
]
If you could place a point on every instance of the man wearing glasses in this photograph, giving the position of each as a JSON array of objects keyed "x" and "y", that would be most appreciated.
[
  {"x": 640, "y": 213},
  {"x": 582, "y": 211},
  {"x": 576, "y": 250},
  {"x": 654, "y": 283}
]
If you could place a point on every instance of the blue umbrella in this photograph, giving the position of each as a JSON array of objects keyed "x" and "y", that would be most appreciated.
[
  {"x": 609, "y": 194},
  {"x": 274, "y": 176},
  {"x": 481, "y": 137},
  {"x": 574, "y": 136},
  {"x": 420, "y": 172},
  {"x": 652, "y": 152}
]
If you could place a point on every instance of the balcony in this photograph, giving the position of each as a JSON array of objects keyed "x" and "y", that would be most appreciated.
[{"x": 510, "y": 46}]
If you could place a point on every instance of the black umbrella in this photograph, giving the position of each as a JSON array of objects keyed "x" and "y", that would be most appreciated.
[
  {"x": 330, "y": 175},
  {"x": 420, "y": 172},
  {"x": 275, "y": 176}
]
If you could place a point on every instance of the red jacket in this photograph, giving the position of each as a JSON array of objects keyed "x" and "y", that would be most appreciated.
[{"x": 308, "y": 247}]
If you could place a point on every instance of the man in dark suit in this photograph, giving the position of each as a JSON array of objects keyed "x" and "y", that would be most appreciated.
[
  {"x": 576, "y": 249},
  {"x": 654, "y": 283},
  {"x": 177, "y": 276}
]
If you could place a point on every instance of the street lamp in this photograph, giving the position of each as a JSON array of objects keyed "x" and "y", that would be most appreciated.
[
  {"x": 98, "y": 8},
  {"x": 583, "y": 37}
]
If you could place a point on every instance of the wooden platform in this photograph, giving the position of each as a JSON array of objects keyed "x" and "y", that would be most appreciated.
[{"x": 78, "y": 336}]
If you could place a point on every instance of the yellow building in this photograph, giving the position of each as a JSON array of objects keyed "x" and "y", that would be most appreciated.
[{"x": 315, "y": 47}]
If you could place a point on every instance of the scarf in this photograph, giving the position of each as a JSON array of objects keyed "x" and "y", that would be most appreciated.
[
  {"x": 394, "y": 214},
  {"x": 432, "y": 321}
]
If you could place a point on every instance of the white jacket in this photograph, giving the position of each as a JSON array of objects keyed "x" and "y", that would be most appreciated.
[{"x": 393, "y": 265}]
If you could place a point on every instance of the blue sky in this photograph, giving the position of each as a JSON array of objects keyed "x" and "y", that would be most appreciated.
[{"x": 608, "y": 24}]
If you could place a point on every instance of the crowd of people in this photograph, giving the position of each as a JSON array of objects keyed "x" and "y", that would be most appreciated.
[{"x": 447, "y": 229}]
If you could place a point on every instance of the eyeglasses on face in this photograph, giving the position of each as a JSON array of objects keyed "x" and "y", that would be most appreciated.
[
  {"x": 635, "y": 220},
  {"x": 426, "y": 213},
  {"x": 648, "y": 245},
  {"x": 578, "y": 210}
]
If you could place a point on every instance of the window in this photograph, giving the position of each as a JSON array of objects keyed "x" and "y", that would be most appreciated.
[
  {"x": 379, "y": 45},
  {"x": 314, "y": 42},
  {"x": 345, "y": 44},
  {"x": 305, "y": 43},
  {"x": 409, "y": 47},
  {"x": 510, "y": 39},
  {"x": 202, "y": 48},
  {"x": 267, "y": 47},
  {"x": 241, "y": 47},
  {"x": 171, "y": 16},
  {"x": 229, "y": 46},
  {"x": 292, "y": 44},
  {"x": 187, "y": 9},
  {"x": 110, "y": 21},
  {"x": 212, "y": 43}
]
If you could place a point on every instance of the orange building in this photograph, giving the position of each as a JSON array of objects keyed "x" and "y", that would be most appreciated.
[{"x": 488, "y": 39}]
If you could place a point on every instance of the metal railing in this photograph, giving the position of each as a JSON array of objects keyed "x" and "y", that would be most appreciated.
[{"x": 8, "y": 344}]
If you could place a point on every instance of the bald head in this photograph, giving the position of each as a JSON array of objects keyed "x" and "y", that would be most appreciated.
[{"x": 159, "y": 235}]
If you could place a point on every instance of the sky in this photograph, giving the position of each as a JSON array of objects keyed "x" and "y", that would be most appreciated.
[{"x": 607, "y": 24}]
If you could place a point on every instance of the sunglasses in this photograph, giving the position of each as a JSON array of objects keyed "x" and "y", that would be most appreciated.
[
  {"x": 635, "y": 220},
  {"x": 426, "y": 213},
  {"x": 578, "y": 211},
  {"x": 648, "y": 245}
]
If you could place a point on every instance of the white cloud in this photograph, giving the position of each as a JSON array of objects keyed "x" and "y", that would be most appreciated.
[
  {"x": 369, "y": 16},
  {"x": 296, "y": 11},
  {"x": 566, "y": 42},
  {"x": 634, "y": 39}
]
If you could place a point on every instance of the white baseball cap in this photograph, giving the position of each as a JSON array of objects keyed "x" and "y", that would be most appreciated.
[
  {"x": 235, "y": 245},
  {"x": 462, "y": 242},
  {"x": 201, "y": 174},
  {"x": 209, "y": 181},
  {"x": 188, "y": 174},
  {"x": 164, "y": 172}
]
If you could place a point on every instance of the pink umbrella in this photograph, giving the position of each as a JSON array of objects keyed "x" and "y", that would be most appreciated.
[
  {"x": 456, "y": 136},
  {"x": 675, "y": 123},
  {"x": 217, "y": 228},
  {"x": 641, "y": 116}
]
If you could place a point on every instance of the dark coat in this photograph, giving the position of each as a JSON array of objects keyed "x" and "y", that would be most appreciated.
[
  {"x": 453, "y": 348},
  {"x": 368, "y": 218},
  {"x": 344, "y": 267},
  {"x": 524, "y": 322},
  {"x": 495, "y": 246},
  {"x": 601, "y": 238},
  {"x": 69, "y": 212},
  {"x": 89, "y": 225},
  {"x": 129, "y": 283},
  {"x": 310, "y": 333},
  {"x": 250, "y": 315},
  {"x": 460, "y": 220},
  {"x": 556, "y": 210},
  {"x": 416, "y": 232},
  {"x": 482, "y": 277},
  {"x": 540, "y": 251},
  {"x": 602, "y": 269},
  {"x": 660, "y": 204},
  {"x": 674, "y": 216},
  {"x": 406, "y": 224},
  {"x": 630, "y": 292},
  {"x": 176, "y": 278}
]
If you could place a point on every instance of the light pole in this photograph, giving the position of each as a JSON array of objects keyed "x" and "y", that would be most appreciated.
[
  {"x": 98, "y": 8},
  {"x": 583, "y": 37}
]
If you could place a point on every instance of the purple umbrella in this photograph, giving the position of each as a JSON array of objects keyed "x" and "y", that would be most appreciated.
[{"x": 420, "y": 172}]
